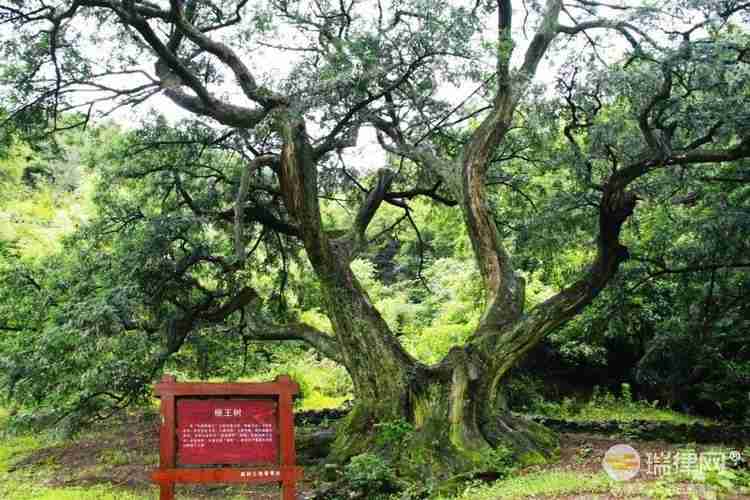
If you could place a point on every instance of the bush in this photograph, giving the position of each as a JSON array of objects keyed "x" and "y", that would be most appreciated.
[
  {"x": 369, "y": 474},
  {"x": 393, "y": 433},
  {"x": 498, "y": 460}
]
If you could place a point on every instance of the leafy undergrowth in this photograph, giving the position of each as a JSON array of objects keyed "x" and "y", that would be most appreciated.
[
  {"x": 542, "y": 483},
  {"x": 606, "y": 406},
  {"x": 323, "y": 383},
  {"x": 576, "y": 486},
  {"x": 579, "y": 475},
  {"x": 632, "y": 412}
]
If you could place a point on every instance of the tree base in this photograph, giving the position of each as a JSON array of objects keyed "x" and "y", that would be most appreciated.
[{"x": 431, "y": 452}]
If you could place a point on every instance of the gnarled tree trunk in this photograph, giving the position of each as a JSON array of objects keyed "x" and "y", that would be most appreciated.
[{"x": 456, "y": 407}]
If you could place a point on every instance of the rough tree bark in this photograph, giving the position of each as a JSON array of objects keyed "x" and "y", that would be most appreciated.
[{"x": 457, "y": 405}]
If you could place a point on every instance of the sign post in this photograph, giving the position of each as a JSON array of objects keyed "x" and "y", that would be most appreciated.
[{"x": 226, "y": 433}]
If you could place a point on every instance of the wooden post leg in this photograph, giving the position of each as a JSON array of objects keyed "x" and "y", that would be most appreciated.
[
  {"x": 288, "y": 489},
  {"x": 167, "y": 491},
  {"x": 167, "y": 439}
]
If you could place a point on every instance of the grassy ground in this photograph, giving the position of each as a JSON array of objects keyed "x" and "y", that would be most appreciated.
[
  {"x": 629, "y": 414},
  {"x": 579, "y": 475},
  {"x": 609, "y": 407},
  {"x": 113, "y": 461}
]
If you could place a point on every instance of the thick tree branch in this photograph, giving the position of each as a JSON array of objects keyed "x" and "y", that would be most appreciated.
[
  {"x": 225, "y": 54},
  {"x": 423, "y": 154},
  {"x": 657, "y": 145},
  {"x": 542, "y": 39},
  {"x": 508, "y": 345},
  {"x": 322, "y": 342},
  {"x": 171, "y": 71},
  {"x": 239, "y": 210},
  {"x": 505, "y": 44},
  {"x": 627, "y": 174},
  {"x": 504, "y": 290},
  {"x": 431, "y": 193},
  {"x": 369, "y": 207},
  {"x": 358, "y": 325},
  {"x": 624, "y": 28},
  {"x": 616, "y": 206}
]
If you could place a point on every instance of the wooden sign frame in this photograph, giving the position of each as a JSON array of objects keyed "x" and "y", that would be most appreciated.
[{"x": 285, "y": 472}]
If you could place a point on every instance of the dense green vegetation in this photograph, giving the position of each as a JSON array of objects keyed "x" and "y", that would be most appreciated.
[
  {"x": 560, "y": 234},
  {"x": 431, "y": 312},
  {"x": 432, "y": 309}
]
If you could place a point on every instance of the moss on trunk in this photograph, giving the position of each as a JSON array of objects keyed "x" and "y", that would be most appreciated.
[
  {"x": 430, "y": 422},
  {"x": 442, "y": 433}
]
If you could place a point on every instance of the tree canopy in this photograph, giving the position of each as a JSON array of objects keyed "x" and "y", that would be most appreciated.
[{"x": 558, "y": 131}]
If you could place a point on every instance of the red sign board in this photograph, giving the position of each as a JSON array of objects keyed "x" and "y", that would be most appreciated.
[
  {"x": 207, "y": 427},
  {"x": 227, "y": 431}
]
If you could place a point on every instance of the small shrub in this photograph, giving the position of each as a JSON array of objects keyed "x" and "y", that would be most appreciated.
[
  {"x": 723, "y": 480},
  {"x": 499, "y": 460},
  {"x": 115, "y": 457},
  {"x": 662, "y": 490},
  {"x": 393, "y": 433},
  {"x": 369, "y": 473}
]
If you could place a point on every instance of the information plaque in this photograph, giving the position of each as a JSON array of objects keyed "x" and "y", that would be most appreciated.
[
  {"x": 226, "y": 431},
  {"x": 230, "y": 433}
]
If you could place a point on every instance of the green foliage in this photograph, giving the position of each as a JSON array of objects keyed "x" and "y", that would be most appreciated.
[
  {"x": 117, "y": 249},
  {"x": 499, "y": 460},
  {"x": 323, "y": 383},
  {"x": 723, "y": 481},
  {"x": 432, "y": 343},
  {"x": 536, "y": 484},
  {"x": 44, "y": 194},
  {"x": 603, "y": 405},
  {"x": 716, "y": 481},
  {"x": 662, "y": 490},
  {"x": 368, "y": 472},
  {"x": 393, "y": 433},
  {"x": 524, "y": 392},
  {"x": 368, "y": 476}
]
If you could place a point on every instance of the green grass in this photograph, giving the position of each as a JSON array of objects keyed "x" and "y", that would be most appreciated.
[
  {"x": 16, "y": 490},
  {"x": 609, "y": 407},
  {"x": 37, "y": 481},
  {"x": 540, "y": 483},
  {"x": 630, "y": 412},
  {"x": 12, "y": 447}
]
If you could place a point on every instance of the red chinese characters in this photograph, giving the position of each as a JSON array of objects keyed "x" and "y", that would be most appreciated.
[{"x": 227, "y": 431}]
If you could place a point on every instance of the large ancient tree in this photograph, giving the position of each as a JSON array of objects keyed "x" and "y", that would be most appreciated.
[{"x": 669, "y": 100}]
